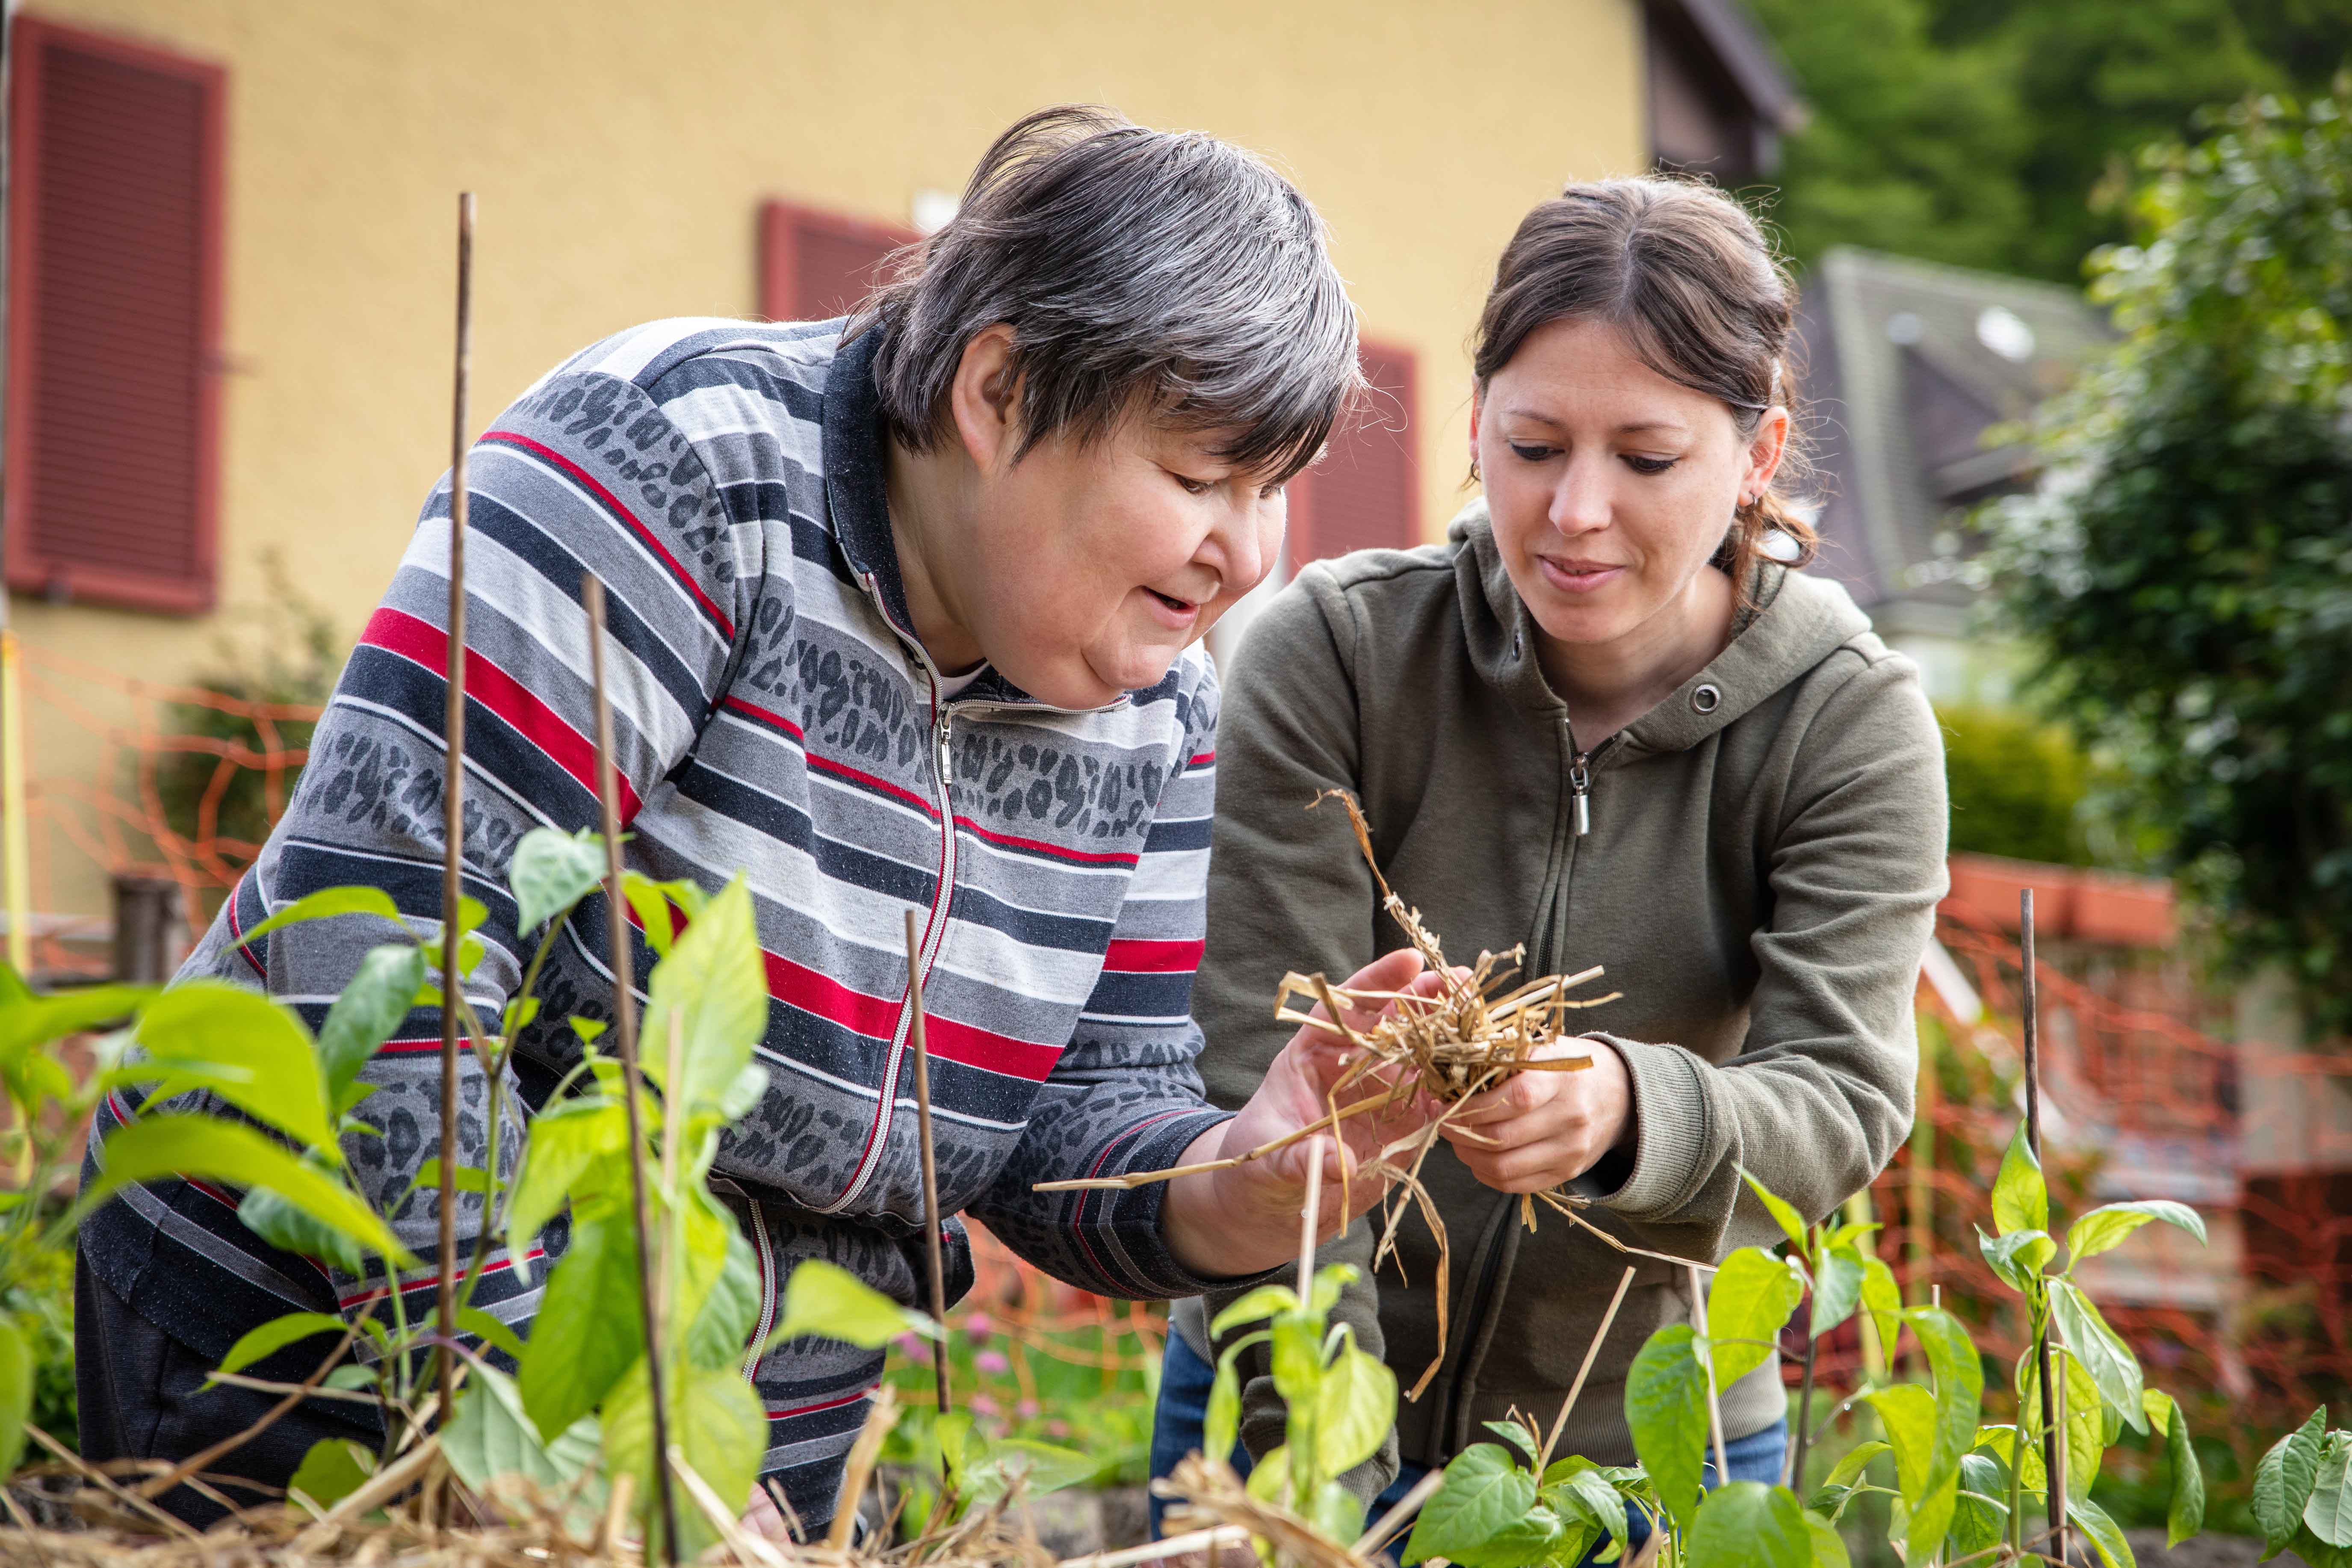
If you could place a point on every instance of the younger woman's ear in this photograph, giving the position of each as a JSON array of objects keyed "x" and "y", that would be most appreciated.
[
  {"x": 984, "y": 398},
  {"x": 1765, "y": 451}
]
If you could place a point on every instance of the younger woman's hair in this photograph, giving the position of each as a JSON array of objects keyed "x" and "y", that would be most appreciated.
[
  {"x": 1162, "y": 272},
  {"x": 1684, "y": 274}
]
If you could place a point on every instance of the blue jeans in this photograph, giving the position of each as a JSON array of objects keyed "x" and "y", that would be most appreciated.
[{"x": 1185, "y": 1379}]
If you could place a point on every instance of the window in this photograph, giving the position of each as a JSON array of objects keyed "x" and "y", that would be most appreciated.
[
  {"x": 1366, "y": 492},
  {"x": 115, "y": 322},
  {"x": 815, "y": 266}
]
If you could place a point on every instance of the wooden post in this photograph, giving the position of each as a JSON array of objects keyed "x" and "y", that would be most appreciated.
[
  {"x": 2053, "y": 1444},
  {"x": 624, "y": 1026},
  {"x": 932, "y": 1219},
  {"x": 453, "y": 820},
  {"x": 16, "y": 839}
]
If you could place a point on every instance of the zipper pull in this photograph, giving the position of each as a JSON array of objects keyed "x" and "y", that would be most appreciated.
[
  {"x": 939, "y": 752},
  {"x": 1580, "y": 790}
]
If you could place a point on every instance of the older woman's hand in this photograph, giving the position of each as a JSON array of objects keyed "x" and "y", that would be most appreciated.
[{"x": 1545, "y": 1128}]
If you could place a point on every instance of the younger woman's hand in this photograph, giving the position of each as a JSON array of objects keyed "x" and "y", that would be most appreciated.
[{"x": 1542, "y": 1128}]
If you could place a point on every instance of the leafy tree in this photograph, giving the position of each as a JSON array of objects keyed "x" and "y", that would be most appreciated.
[
  {"x": 1999, "y": 134},
  {"x": 2016, "y": 785},
  {"x": 2184, "y": 578}
]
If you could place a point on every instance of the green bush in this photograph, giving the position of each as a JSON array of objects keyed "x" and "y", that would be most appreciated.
[{"x": 2017, "y": 785}]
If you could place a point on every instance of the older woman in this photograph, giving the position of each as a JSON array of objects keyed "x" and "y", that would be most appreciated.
[
  {"x": 903, "y": 618},
  {"x": 1610, "y": 718}
]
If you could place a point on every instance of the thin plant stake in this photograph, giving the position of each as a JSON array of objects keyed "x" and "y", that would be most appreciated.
[
  {"x": 1714, "y": 1398},
  {"x": 624, "y": 1025},
  {"x": 1308, "y": 1218},
  {"x": 931, "y": 1218},
  {"x": 2053, "y": 1456},
  {"x": 453, "y": 820},
  {"x": 1592, "y": 1354}
]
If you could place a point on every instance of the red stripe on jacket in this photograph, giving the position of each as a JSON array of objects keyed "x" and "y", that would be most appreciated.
[{"x": 398, "y": 632}]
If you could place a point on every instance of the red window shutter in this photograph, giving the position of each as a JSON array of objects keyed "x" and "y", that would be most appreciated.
[
  {"x": 1366, "y": 492},
  {"x": 815, "y": 266},
  {"x": 114, "y": 320}
]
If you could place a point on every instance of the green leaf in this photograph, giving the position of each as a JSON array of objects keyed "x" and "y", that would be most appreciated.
[
  {"x": 589, "y": 1330},
  {"x": 1784, "y": 1214},
  {"x": 748, "y": 1088},
  {"x": 1040, "y": 1468},
  {"x": 551, "y": 871},
  {"x": 324, "y": 904},
  {"x": 465, "y": 1179},
  {"x": 276, "y": 1335},
  {"x": 27, "y": 1020},
  {"x": 1517, "y": 1435},
  {"x": 1356, "y": 1408},
  {"x": 1979, "y": 1511},
  {"x": 1882, "y": 1300},
  {"x": 827, "y": 1301},
  {"x": 2019, "y": 1201},
  {"x": 490, "y": 1332},
  {"x": 2101, "y": 1350},
  {"x": 1748, "y": 1305},
  {"x": 15, "y": 1393},
  {"x": 2102, "y": 1533},
  {"x": 1587, "y": 1494},
  {"x": 2284, "y": 1481},
  {"x": 562, "y": 1145},
  {"x": 1747, "y": 1524},
  {"x": 2001, "y": 1443},
  {"x": 2018, "y": 1257},
  {"x": 1481, "y": 1511},
  {"x": 1959, "y": 1399},
  {"x": 1255, "y": 1306},
  {"x": 1837, "y": 1289},
  {"x": 652, "y": 905},
  {"x": 1665, "y": 1409},
  {"x": 715, "y": 1421},
  {"x": 1829, "y": 1547},
  {"x": 1222, "y": 1423},
  {"x": 2104, "y": 1228},
  {"x": 200, "y": 1021},
  {"x": 1908, "y": 1413},
  {"x": 2185, "y": 1509},
  {"x": 2086, "y": 1416},
  {"x": 288, "y": 1228},
  {"x": 378, "y": 996},
  {"x": 2328, "y": 1514},
  {"x": 1333, "y": 1510},
  {"x": 722, "y": 1331},
  {"x": 713, "y": 990},
  {"x": 158, "y": 1148},
  {"x": 332, "y": 1469},
  {"x": 491, "y": 1442},
  {"x": 1857, "y": 1459}
]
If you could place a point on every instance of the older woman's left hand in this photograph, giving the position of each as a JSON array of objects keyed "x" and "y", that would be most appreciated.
[{"x": 1545, "y": 1128}]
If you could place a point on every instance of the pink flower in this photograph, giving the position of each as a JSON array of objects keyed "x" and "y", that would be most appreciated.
[
  {"x": 981, "y": 1405},
  {"x": 992, "y": 1362},
  {"x": 978, "y": 1326},
  {"x": 1027, "y": 1410}
]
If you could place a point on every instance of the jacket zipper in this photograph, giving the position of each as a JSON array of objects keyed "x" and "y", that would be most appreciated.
[
  {"x": 934, "y": 933},
  {"x": 1580, "y": 791}
]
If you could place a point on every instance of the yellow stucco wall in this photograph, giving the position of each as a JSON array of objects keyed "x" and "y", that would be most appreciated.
[{"x": 620, "y": 151}]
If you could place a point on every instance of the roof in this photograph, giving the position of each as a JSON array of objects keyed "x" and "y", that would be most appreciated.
[
  {"x": 1908, "y": 363},
  {"x": 1746, "y": 54}
]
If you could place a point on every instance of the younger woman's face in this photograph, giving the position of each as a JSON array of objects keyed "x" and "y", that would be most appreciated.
[{"x": 1610, "y": 487}]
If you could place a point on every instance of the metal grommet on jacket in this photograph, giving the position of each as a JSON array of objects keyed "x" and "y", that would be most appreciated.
[{"x": 1706, "y": 699}]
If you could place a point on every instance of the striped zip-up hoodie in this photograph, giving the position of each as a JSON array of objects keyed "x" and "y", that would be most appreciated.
[{"x": 773, "y": 714}]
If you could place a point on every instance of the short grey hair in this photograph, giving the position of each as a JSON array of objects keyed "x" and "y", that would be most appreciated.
[{"x": 1164, "y": 273}]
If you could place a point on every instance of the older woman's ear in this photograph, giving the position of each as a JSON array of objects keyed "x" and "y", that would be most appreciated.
[{"x": 984, "y": 399}]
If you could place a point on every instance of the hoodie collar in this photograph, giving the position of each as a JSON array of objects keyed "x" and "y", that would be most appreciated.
[{"x": 1798, "y": 620}]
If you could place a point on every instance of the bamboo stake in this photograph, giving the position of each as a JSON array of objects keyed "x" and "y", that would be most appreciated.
[
  {"x": 1714, "y": 1398},
  {"x": 453, "y": 818},
  {"x": 624, "y": 1025},
  {"x": 1592, "y": 1354},
  {"x": 1308, "y": 1216},
  {"x": 931, "y": 1217},
  {"x": 2053, "y": 1449}
]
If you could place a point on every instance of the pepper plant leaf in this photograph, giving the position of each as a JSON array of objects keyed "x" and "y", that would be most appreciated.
[
  {"x": 2284, "y": 1479},
  {"x": 2185, "y": 1508},
  {"x": 716, "y": 1423},
  {"x": 1829, "y": 1546},
  {"x": 1747, "y": 1524},
  {"x": 203, "y": 1021},
  {"x": 551, "y": 871},
  {"x": 827, "y": 1301},
  {"x": 1748, "y": 1305},
  {"x": 157, "y": 1147},
  {"x": 2017, "y": 1256},
  {"x": 564, "y": 1143},
  {"x": 2104, "y": 1534},
  {"x": 378, "y": 995},
  {"x": 2019, "y": 1200},
  {"x": 2328, "y": 1512},
  {"x": 1784, "y": 1214},
  {"x": 1837, "y": 1289},
  {"x": 274, "y": 1336},
  {"x": 1483, "y": 1508},
  {"x": 1959, "y": 1399},
  {"x": 1356, "y": 1405},
  {"x": 589, "y": 1330},
  {"x": 2104, "y": 1228},
  {"x": 332, "y": 1469},
  {"x": 1665, "y": 1409},
  {"x": 2102, "y": 1351},
  {"x": 324, "y": 904},
  {"x": 15, "y": 1391},
  {"x": 713, "y": 989}
]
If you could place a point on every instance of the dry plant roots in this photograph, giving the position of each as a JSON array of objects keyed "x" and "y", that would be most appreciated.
[{"x": 1469, "y": 1037}]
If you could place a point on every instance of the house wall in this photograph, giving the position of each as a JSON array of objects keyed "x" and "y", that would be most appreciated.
[{"x": 620, "y": 153}]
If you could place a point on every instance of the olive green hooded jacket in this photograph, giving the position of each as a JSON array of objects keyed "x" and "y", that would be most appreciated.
[{"x": 1764, "y": 856}]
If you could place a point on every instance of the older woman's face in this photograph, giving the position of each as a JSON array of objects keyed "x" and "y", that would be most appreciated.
[
  {"x": 1610, "y": 486},
  {"x": 1088, "y": 568}
]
